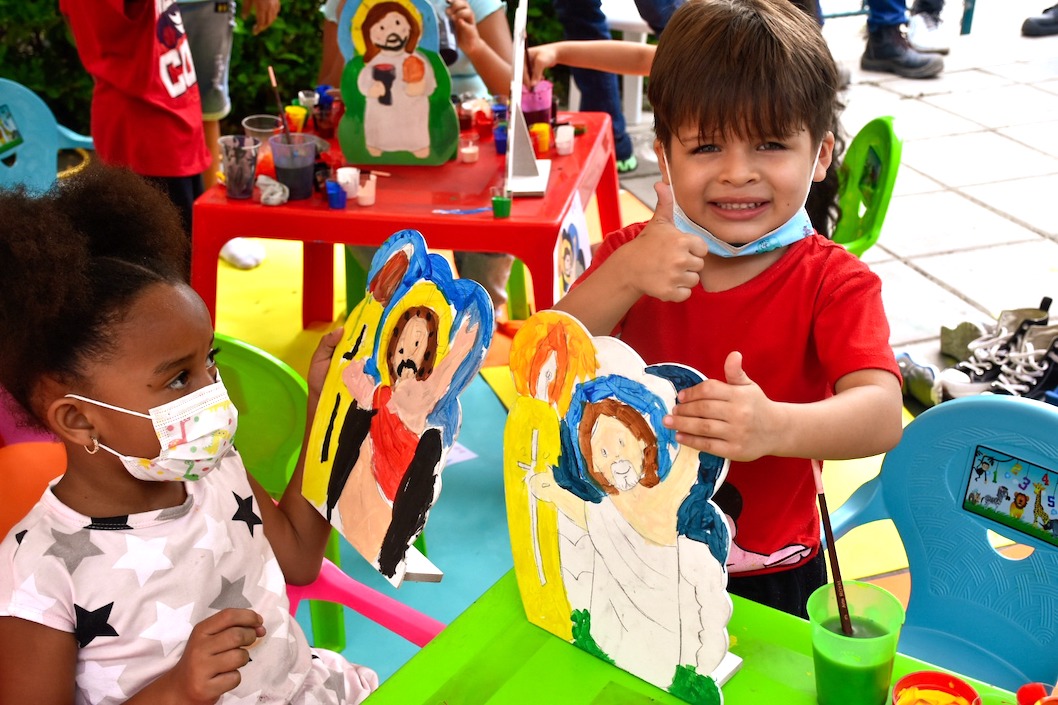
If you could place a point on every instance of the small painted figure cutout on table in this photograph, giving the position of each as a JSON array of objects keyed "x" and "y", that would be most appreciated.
[{"x": 389, "y": 411}]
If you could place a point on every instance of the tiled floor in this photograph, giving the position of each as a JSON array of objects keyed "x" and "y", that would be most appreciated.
[{"x": 973, "y": 225}]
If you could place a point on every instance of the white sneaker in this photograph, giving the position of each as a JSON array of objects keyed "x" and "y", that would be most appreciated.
[
  {"x": 926, "y": 34},
  {"x": 243, "y": 253}
]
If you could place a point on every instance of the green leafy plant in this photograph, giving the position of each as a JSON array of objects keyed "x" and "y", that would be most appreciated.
[{"x": 38, "y": 51}]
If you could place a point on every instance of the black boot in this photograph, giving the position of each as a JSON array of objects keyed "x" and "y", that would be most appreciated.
[
  {"x": 888, "y": 51},
  {"x": 1043, "y": 24}
]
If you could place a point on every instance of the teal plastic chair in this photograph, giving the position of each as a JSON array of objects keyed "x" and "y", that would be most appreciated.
[
  {"x": 272, "y": 399},
  {"x": 30, "y": 139},
  {"x": 953, "y": 476},
  {"x": 866, "y": 179}
]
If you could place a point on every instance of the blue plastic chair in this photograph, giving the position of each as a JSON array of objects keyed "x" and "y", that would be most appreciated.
[
  {"x": 973, "y": 610},
  {"x": 30, "y": 139}
]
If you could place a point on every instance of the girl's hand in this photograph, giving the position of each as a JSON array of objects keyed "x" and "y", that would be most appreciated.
[
  {"x": 732, "y": 419},
  {"x": 541, "y": 58},
  {"x": 464, "y": 24},
  {"x": 663, "y": 262},
  {"x": 215, "y": 651},
  {"x": 321, "y": 360}
]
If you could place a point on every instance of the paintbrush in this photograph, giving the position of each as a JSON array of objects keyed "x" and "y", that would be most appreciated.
[
  {"x": 839, "y": 587},
  {"x": 279, "y": 103}
]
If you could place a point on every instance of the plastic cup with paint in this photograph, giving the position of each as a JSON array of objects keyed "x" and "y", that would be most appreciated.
[
  {"x": 366, "y": 194},
  {"x": 854, "y": 670},
  {"x": 499, "y": 138},
  {"x": 468, "y": 147},
  {"x": 536, "y": 103},
  {"x": 308, "y": 98},
  {"x": 296, "y": 115},
  {"x": 542, "y": 130},
  {"x": 336, "y": 196},
  {"x": 934, "y": 688},
  {"x": 348, "y": 178},
  {"x": 295, "y": 157},
  {"x": 262, "y": 127},
  {"x": 564, "y": 139},
  {"x": 239, "y": 156}
]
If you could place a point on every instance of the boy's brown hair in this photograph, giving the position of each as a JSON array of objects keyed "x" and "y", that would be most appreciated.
[{"x": 745, "y": 68}]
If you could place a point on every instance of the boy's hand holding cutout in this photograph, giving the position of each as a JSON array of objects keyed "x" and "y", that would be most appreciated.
[{"x": 732, "y": 419}]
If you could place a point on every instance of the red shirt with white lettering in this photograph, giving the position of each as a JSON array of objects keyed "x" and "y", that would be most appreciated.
[{"x": 146, "y": 110}]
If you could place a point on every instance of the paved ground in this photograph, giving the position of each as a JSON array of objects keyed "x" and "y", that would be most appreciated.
[{"x": 973, "y": 225}]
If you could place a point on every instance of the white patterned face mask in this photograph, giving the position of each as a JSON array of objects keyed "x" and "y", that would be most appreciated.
[{"x": 195, "y": 432}]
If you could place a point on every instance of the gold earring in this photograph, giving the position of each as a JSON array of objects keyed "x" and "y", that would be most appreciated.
[{"x": 95, "y": 446}]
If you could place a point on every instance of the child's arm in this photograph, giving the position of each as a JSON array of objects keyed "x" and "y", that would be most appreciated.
[
  {"x": 601, "y": 55},
  {"x": 296, "y": 531},
  {"x": 736, "y": 420},
  {"x": 38, "y": 664},
  {"x": 661, "y": 262},
  {"x": 486, "y": 44}
]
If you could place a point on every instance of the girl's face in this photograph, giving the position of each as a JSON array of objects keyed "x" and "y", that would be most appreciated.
[
  {"x": 742, "y": 188},
  {"x": 391, "y": 33},
  {"x": 163, "y": 351}
]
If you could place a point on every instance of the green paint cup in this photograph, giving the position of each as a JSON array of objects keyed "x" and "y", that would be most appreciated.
[
  {"x": 854, "y": 670},
  {"x": 501, "y": 206}
]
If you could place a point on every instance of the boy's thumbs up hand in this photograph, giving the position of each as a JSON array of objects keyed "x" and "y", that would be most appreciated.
[
  {"x": 666, "y": 262},
  {"x": 663, "y": 211}
]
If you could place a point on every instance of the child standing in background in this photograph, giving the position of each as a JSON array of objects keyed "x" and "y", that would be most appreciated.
[
  {"x": 149, "y": 572},
  {"x": 730, "y": 278},
  {"x": 146, "y": 110}
]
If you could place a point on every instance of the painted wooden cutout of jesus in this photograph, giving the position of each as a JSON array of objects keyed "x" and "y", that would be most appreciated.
[
  {"x": 642, "y": 546},
  {"x": 397, "y": 82}
]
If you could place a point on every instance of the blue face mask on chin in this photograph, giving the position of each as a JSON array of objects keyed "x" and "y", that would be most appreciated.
[{"x": 796, "y": 228}]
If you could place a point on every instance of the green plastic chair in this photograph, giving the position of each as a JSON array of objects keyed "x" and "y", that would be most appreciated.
[
  {"x": 866, "y": 177},
  {"x": 272, "y": 399}
]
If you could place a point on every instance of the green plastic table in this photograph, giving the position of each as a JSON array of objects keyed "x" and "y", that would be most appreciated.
[{"x": 492, "y": 655}]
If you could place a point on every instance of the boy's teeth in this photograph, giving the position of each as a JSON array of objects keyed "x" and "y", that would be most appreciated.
[{"x": 738, "y": 206}]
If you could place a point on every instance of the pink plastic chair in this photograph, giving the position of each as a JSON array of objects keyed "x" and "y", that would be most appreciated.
[{"x": 335, "y": 586}]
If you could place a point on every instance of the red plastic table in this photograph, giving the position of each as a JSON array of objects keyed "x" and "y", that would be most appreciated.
[{"x": 418, "y": 197}]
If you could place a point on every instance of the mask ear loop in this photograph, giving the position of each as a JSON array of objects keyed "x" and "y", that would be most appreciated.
[{"x": 95, "y": 446}]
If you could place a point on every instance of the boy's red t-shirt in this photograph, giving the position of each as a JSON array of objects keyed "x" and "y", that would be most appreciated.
[
  {"x": 146, "y": 110},
  {"x": 809, "y": 319}
]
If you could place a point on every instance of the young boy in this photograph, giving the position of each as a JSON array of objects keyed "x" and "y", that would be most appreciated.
[{"x": 729, "y": 278}]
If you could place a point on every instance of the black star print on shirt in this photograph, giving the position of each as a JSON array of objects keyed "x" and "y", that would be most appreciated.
[
  {"x": 245, "y": 512},
  {"x": 91, "y": 624}
]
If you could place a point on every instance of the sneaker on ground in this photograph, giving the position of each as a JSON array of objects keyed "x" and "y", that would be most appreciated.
[
  {"x": 917, "y": 379},
  {"x": 925, "y": 33},
  {"x": 988, "y": 353},
  {"x": 243, "y": 253},
  {"x": 888, "y": 51},
  {"x": 955, "y": 342},
  {"x": 1031, "y": 371},
  {"x": 626, "y": 165}
]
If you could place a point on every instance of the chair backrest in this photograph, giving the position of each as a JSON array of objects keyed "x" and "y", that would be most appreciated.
[
  {"x": 25, "y": 471},
  {"x": 30, "y": 139},
  {"x": 957, "y": 472},
  {"x": 271, "y": 398},
  {"x": 866, "y": 177},
  {"x": 335, "y": 586}
]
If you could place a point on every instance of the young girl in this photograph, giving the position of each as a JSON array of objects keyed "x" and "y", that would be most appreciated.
[{"x": 154, "y": 569}]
